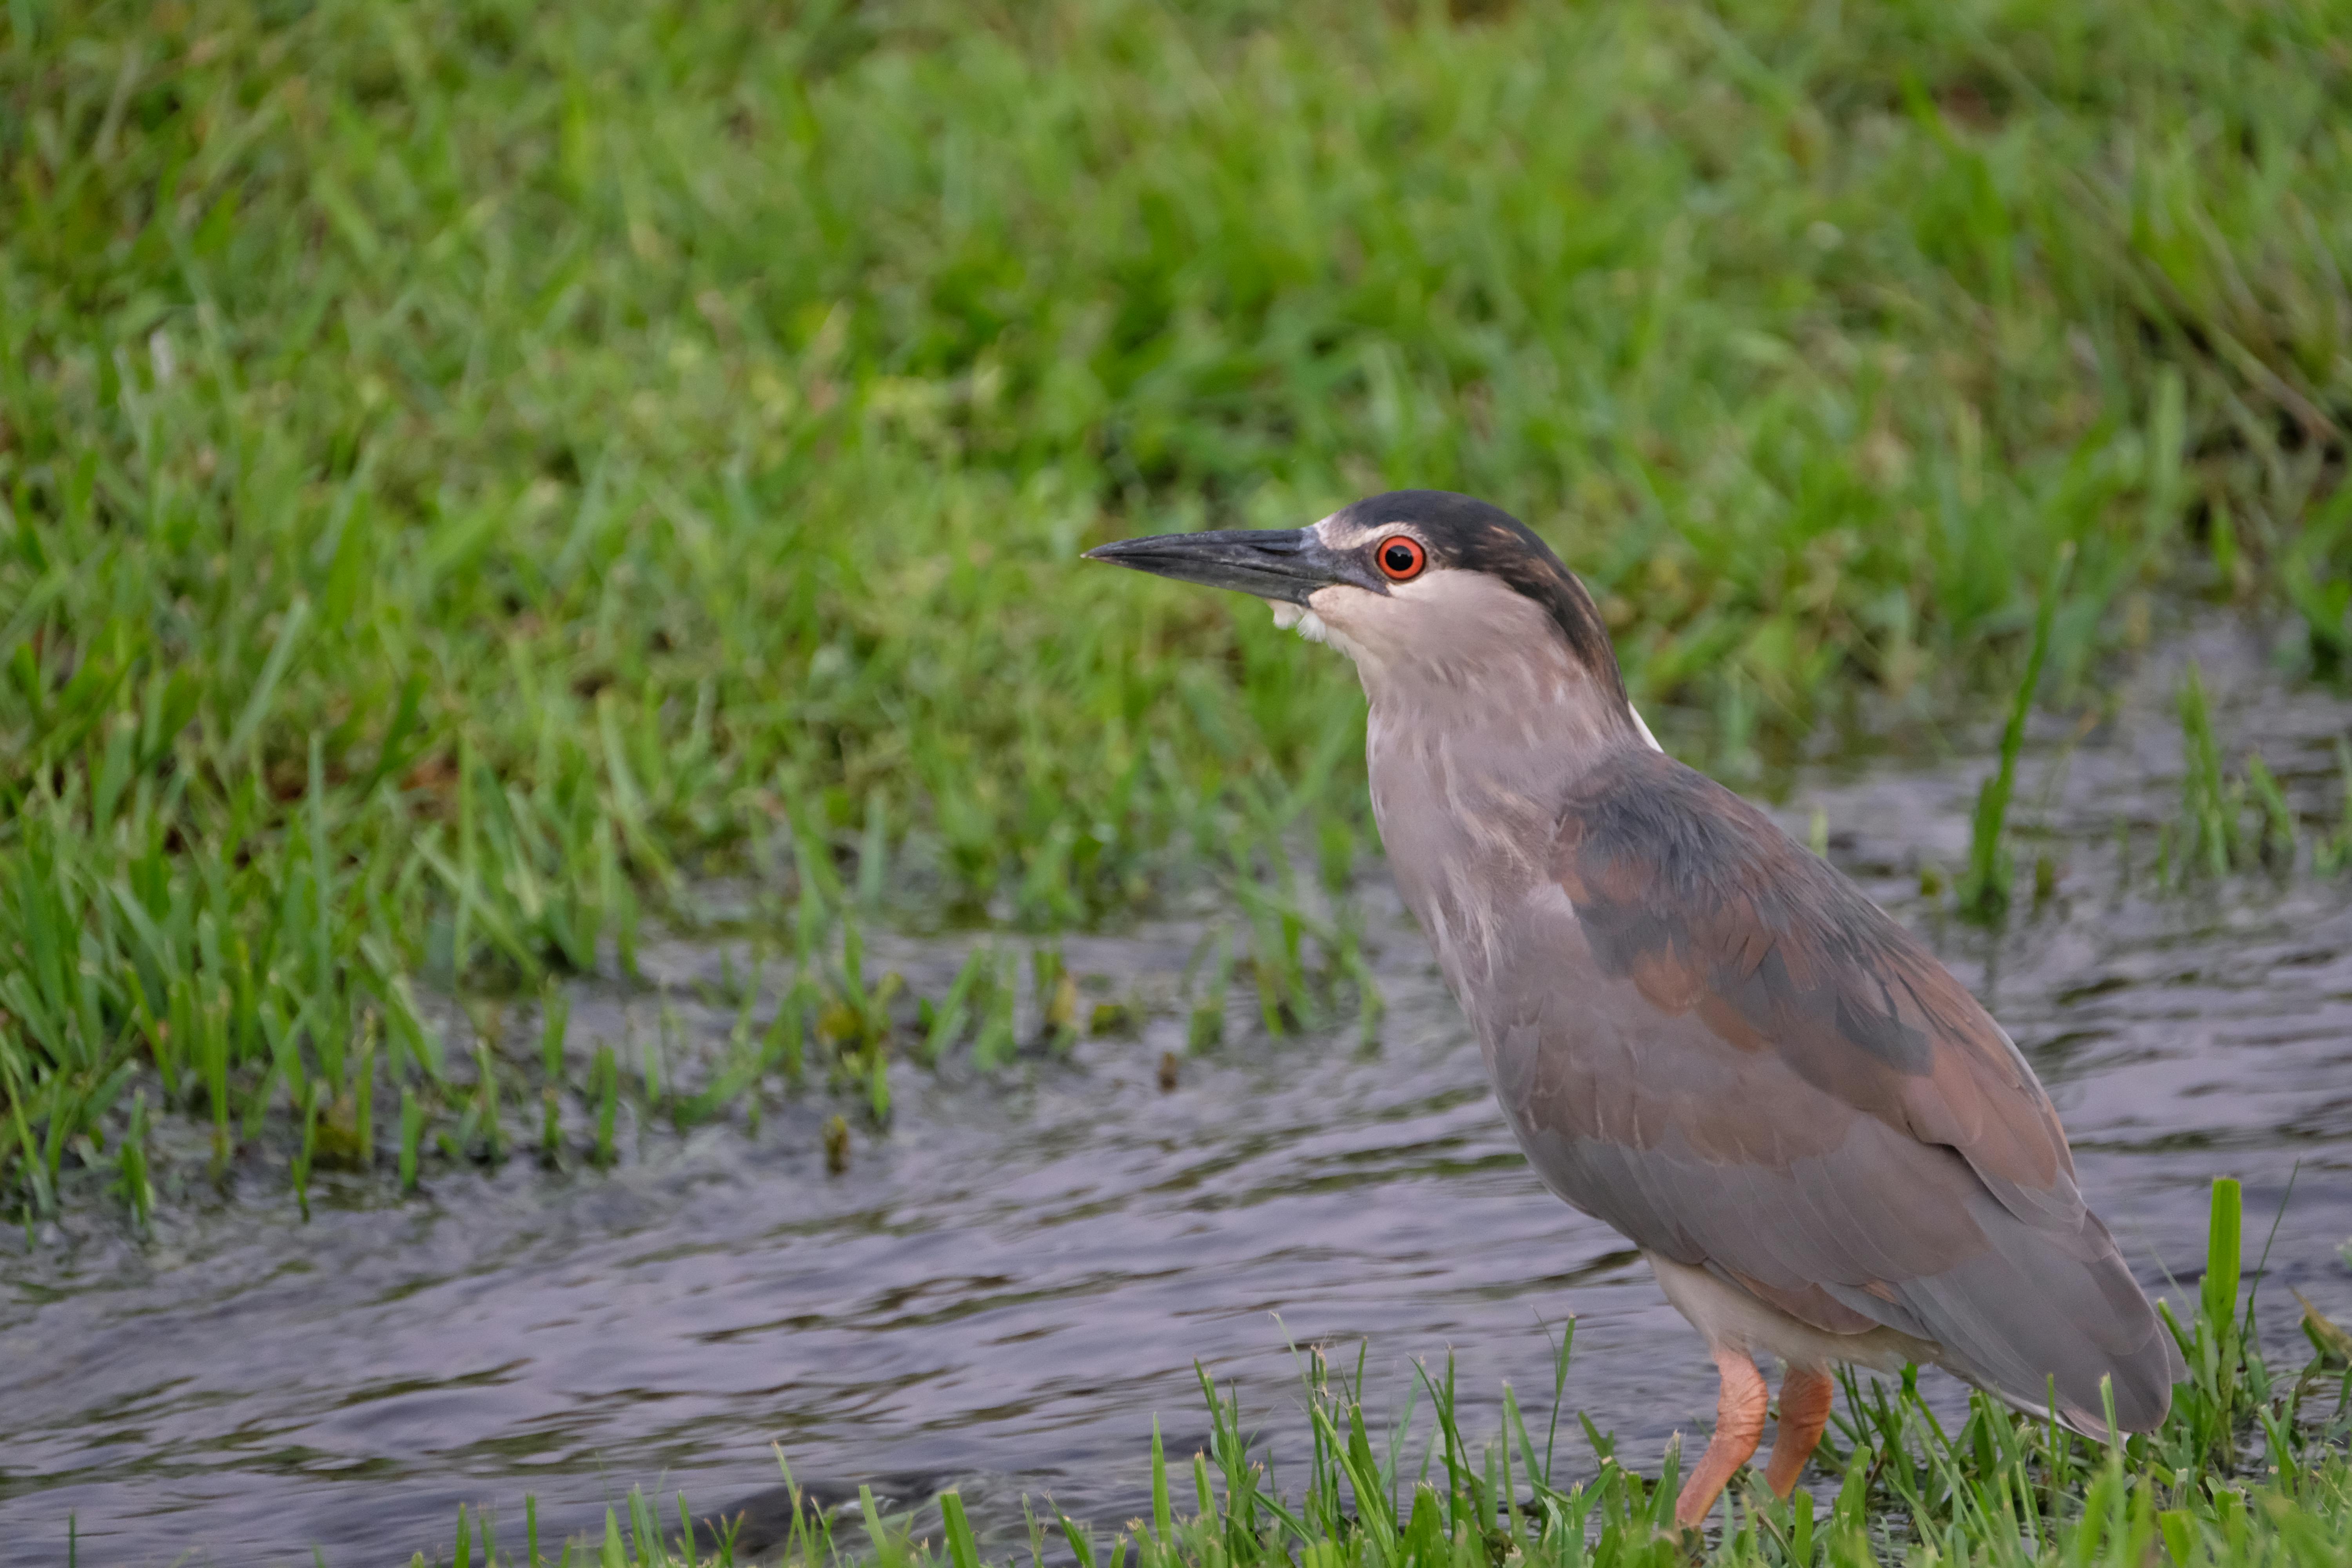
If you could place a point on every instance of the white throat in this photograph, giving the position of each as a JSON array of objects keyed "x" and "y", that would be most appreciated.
[{"x": 1313, "y": 627}]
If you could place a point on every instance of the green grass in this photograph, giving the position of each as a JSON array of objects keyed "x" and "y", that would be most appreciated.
[
  {"x": 2230, "y": 824},
  {"x": 1984, "y": 892},
  {"x": 2243, "y": 822},
  {"x": 467, "y": 469},
  {"x": 2250, "y": 1469}
]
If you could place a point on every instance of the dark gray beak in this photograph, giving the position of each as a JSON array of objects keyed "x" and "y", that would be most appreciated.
[{"x": 1280, "y": 563}]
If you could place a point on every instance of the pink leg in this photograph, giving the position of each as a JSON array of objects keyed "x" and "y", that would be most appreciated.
[
  {"x": 1805, "y": 1396},
  {"x": 1738, "y": 1427}
]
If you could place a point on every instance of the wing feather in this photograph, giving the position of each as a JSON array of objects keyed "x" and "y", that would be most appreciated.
[{"x": 1721, "y": 1048}]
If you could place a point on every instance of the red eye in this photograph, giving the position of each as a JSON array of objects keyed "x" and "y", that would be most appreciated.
[{"x": 1402, "y": 559}]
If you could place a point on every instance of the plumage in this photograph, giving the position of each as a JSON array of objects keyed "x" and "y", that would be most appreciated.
[
  {"x": 1811, "y": 1108},
  {"x": 1701, "y": 1034}
]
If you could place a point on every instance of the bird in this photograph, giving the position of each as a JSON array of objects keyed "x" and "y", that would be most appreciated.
[{"x": 1699, "y": 1032}]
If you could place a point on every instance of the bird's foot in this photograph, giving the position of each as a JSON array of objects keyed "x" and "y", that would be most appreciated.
[
  {"x": 1738, "y": 1427},
  {"x": 1805, "y": 1396}
]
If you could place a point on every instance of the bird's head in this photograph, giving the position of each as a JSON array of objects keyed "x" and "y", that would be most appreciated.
[{"x": 1424, "y": 587}]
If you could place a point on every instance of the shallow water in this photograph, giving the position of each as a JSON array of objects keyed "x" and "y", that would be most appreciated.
[{"x": 1006, "y": 1287}]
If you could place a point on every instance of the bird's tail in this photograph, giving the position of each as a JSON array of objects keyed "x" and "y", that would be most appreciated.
[{"x": 2042, "y": 1318}]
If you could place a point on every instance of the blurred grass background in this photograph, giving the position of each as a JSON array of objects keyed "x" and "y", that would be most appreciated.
[{"x": 469, "y": 467}]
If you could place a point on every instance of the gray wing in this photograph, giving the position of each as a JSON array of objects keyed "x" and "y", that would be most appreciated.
[{"x": 1715, "y": 1043}]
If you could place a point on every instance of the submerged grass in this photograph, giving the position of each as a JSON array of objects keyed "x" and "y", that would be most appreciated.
[
  {"x": 1984, "y": 892},
  {"x": 467, "y": 468},
  {"x": 2242, "y": 821},
  {"x": 2250, "y": 1469},
  {"x": 2231, "y": 821}
]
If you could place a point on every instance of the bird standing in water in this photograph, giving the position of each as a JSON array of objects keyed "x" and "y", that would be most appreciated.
[{"x": 1701, "y": 1034}]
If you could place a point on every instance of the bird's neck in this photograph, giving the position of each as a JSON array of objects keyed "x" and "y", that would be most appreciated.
[{"x": 1468, "y": 768}]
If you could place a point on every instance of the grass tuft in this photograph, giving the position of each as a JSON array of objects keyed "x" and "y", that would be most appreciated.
[
  {"x": 1985, "y": 891},
  {"x": 2230, "y": 822}
]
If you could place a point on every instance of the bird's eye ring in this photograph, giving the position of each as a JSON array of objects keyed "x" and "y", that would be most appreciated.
[{"x": 1400, "y": 558}]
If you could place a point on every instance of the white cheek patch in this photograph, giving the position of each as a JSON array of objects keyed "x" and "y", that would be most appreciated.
[
  {"x": 1300, "y": 619},
  {"x": 1643, "y": 728}
]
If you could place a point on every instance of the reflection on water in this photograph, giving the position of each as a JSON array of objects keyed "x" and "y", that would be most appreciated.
[{"x": 1003, "y": 1290}]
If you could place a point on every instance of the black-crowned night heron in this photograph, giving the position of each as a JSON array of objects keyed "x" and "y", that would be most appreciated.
[{"x": 1701, "y": 1034}]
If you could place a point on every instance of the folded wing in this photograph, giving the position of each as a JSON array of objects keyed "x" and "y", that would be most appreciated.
[{"x": 1713, "y": 1041}]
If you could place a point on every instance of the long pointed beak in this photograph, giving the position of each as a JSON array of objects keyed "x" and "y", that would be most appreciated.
[{"x": 1284, "y": 564}]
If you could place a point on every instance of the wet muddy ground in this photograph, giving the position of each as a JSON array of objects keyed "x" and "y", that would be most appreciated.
[{"x": 1008, "y": 1285}]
